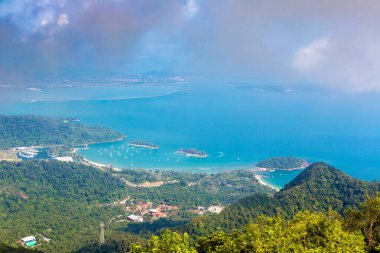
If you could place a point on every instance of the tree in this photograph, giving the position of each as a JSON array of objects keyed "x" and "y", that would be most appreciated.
[
  {"x": 367, "y": 220},
  {"x": 167, "y": 242},
  {"x": 307, "y": 232}
]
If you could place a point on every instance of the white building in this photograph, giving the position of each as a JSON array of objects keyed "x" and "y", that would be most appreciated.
[
  {"x": 136, "y": 218},
  {"x": 64, "y": 159},
  {"x": 215, "y": 209},
  {"x": 29, "y": 241}
]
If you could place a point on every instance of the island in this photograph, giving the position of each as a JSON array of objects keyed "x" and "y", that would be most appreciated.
[
  {"x": 143, "y": 144},
  {"x": 283, "y": 163},
  {"x": 190, "y": 152}
]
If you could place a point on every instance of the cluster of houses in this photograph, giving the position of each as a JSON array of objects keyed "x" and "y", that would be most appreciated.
[{"x": 152, "y": 212}]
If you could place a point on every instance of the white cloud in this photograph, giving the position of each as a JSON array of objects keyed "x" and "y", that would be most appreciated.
[
  {"x": 313, "y": 55},
  {"x": 191, "y": 8},
  {"x": 63, "y": 20}
]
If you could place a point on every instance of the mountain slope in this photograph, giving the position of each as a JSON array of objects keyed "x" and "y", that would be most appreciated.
[
  {"x": 63, "y": 201},
  {"x": 319, "y": 187}
]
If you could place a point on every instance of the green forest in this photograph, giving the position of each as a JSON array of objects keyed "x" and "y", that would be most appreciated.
[
  {"x": 29, "y": 130},
  {"x": 62, "y": 201},
  {"x": 313, "y": 232},
  {"x": 319, "y": 188},
  {"x": 189, "y": 190},
  {"x": 66, "y": 202},
  {"x": 320, "y": 209}
]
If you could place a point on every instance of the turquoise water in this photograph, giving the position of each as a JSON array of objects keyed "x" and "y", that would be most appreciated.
[{"x": 236, "y": 127}]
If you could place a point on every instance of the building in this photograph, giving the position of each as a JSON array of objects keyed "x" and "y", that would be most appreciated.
[
  {"x": 29, "y": 241},
  {"x": 215, "y": 209},
  {"x": 135, "y": 218},
  {"x": 64, "y": 159}
]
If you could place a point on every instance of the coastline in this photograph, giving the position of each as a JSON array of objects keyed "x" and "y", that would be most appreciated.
[
  {"x": 86, "y": 145},
  {"x": 100, "y": 166},
  {"x": 289, "y": 169},
  {"x": 301, "y": 167},
  {"x": 103, "y": 167},
  {"x": 262, "y": 182},
  {"x": 107, "y": 99}
]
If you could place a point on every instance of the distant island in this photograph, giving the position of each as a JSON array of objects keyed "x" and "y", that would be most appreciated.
[
  {"x": 143, "y": 144},
  {"x": 190, "y": 152},
  {"x": 283, "y": 163}
]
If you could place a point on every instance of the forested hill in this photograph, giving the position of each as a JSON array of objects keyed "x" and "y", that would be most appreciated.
[
  {"x": 319, "y": 187},
  {"x": 28, "y": 130},
  {"x": 63, "y": 201}
]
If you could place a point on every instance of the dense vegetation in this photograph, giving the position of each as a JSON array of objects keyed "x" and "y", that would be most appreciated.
[
  {"x": 319, "y": 187},
  {"x": 62, "y": 201},
  {"x": 27, "y": 130},
  {"x": 314, "y": 232},
  {"x": 66, "y": 202},
  {"x": 189, "y": 190},
  {"x": 282, "y": 163}
]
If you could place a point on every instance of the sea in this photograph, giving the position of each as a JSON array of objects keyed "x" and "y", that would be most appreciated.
[{"x": 236, "y": 124}]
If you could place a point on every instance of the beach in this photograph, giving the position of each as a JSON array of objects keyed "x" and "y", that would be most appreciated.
[{"x": 261, "y": 181}]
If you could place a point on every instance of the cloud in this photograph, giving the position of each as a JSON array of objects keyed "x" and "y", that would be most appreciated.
[
  {"x": 333, "y": 44},
  {"x": 313, "y": 55},
  {"x": 191, "y": 8},
  {"x": 63, "y": 20},
  {"x": 57, "y": 39}
]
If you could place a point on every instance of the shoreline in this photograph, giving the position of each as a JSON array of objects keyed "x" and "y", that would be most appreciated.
[
  {"x": 100, "y": 166},
  {"x": 105, "y": 99},
  {"x": 262, "y": 182},
  {"x": 301, "y": 167},
  {"x": 86, "y": 145},
  {"x": 103, "y": 167},
  {"x": 275, "y": 169}
]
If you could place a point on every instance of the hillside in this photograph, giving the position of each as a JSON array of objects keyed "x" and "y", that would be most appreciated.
[
  {"x": 28, "y": 130},
  {"x": 67, "y": 201},
  {"x": 63, "y": 201},
  {"x": 319, "y": 187}
]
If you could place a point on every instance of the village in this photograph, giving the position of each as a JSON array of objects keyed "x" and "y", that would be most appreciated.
[{"x": 149, "y": 212}]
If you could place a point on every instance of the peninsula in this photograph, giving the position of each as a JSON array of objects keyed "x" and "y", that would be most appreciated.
[{"x": 283, "y": 163}]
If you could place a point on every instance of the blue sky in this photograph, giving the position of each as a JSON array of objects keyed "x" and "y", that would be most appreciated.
[{"x": 334, "y": 44}]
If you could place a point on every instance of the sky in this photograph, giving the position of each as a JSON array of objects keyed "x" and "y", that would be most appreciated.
[{"x": 330, "y": 44}]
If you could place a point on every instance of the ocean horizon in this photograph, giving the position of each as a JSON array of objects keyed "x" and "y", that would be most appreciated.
[{"x": 235, "y": 127}]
